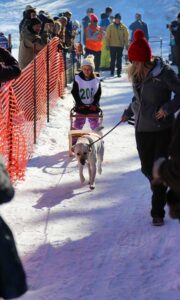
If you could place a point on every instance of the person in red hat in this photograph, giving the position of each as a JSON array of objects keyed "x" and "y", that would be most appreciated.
[
  {"x": 94, "y": 35},
  {"x": 153, "y": 108}
]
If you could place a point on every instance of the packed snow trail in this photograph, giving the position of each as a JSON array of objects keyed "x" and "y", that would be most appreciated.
[{"x": 78, "y": 244}]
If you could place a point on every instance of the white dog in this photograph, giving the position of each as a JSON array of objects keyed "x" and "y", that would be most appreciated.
[{"x": 93, "y": 155}]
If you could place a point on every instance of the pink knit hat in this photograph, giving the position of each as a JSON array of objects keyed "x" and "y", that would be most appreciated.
[{"x": 94, "y": 18}]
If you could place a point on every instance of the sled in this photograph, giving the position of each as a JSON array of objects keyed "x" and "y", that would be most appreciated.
[{"x": 79, "y": 132}]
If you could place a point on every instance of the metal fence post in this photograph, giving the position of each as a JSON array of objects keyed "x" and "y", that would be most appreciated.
[
  {"x": 47, "y": 65},
  {"x": 65, "y": 65},
  {"x": 34, "y": 94},
  {"x": 10, "y": 133},
  {"x": 73, "y": 60}
]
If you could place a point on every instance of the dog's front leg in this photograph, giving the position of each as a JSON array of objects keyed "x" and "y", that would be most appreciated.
[
  {"x": 82, "y": 178},
  {"x": 92, "y": 176},
  {"x": 100, "y": 156},
  {"x": 89, "y": 172}
]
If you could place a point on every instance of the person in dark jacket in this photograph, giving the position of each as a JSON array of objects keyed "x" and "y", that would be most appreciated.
[
  {"x": 12, "y": 276},
  {"x": 175, "y": 30},
  {"x": 28, "y": 14},
  {"x": 86, "y": 21},
  {"x": 167, "y": 171},
  {"x": 9, "y": 68},
  {"x": 153, "y": 85},
  {"x": 86, "y": 92},
  {"x": 139, "y": 24},
  {"x": 69, "y": 36}
]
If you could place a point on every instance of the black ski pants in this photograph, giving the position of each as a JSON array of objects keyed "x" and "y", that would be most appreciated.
[
  {"x": 116, "y": 58},
  {"x": 151, "y": 146}
]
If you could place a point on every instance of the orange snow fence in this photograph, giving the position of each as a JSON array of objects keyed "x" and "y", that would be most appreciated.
[
  {"x": 25, "y": 106},
  {"x": 12, "y": 139}
]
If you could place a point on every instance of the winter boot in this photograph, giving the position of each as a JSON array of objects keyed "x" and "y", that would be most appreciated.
[{"x": 158, "y": 221}]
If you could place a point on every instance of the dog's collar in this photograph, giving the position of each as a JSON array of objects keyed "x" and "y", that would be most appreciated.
[{"x": 88, "y": 140}]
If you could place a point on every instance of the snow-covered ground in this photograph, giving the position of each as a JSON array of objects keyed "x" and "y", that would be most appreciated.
[{"x": 78, "y": 244}]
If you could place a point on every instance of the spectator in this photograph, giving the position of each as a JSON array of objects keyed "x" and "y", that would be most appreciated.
[
  {"x": 105, "y": 54},
  {"x": 57, "y": 28},
  {"x": 31, "y": 40},
  {"x": 69, "y": 37},
  {"x": 108, "y": 12},
  {"x": 172, "y": 43},
  {"x": 76, "y": 30},
  {"x": 12, "y": 276},
  {"x": 86, "y": 21},
  {"x": 51, "y": 27},
  {"x": 117, "y": 37},
  {"x": 175, "y": 30},
  {"x": 47, "y": 26},
  {"x": 4, "y": 43},
  {"x": 9, "y": 68},
  {"x": 28, "y": 14},
  {"x": 62, "y": 34},
  {"x": 154, "y": 83},
  {"x": 94, "y": 36},
  {"x": 86, "y": 92},
  {"x": 139, "y": 24},
  {"x": 167, "y": 171}
]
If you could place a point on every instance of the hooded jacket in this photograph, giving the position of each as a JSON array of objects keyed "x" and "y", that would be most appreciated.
[
  {"x": 152, "y": 94},
  {"x": 26, "y": 48}
]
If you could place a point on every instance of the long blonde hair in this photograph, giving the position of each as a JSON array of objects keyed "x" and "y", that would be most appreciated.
[{"x": 137, "y": 71}]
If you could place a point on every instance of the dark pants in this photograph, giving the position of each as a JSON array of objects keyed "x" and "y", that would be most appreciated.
[
  {"x": 151, "y": 146},
  {"x": 173, "y": 54},
  {"x": 116, "y": 58},
  {"x": 97, "y": 58},
  {"x": 178, "y": 71}
]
